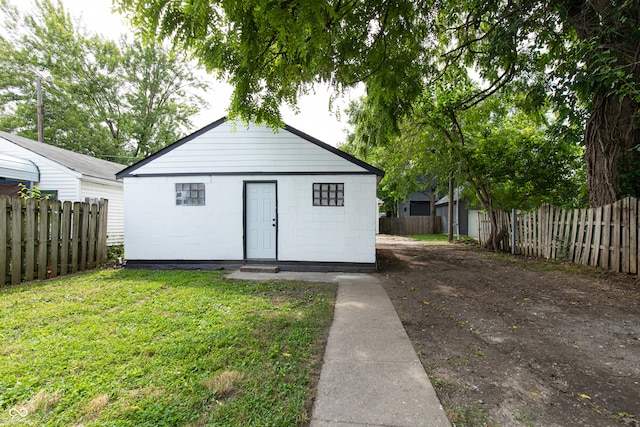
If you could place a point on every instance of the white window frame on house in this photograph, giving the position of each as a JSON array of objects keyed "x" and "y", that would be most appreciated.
[
  {"x": 328, "y": 194},
  {"x": 190, "y": 194}
]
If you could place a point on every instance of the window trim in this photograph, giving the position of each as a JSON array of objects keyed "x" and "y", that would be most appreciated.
[
  {"x": 200, "y": 199},
  {"x": 322, "y": 194}
]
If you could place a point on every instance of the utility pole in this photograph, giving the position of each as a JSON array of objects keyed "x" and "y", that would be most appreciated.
[
  {"x": 450, "y": 210},
  {"x": 40, "y": 109}
]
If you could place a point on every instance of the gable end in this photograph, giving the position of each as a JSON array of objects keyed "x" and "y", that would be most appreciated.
[
  {"x": 368, "y": 169},
  {"x": 334, "y": 150},
  {"x": 127, "y": 171}
]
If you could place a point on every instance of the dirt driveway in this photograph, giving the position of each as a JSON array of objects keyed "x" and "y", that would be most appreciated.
[{"x": 518, "y": 342}]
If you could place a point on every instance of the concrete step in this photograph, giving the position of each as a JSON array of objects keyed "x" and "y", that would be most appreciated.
[{"x": 259, "y": 268}]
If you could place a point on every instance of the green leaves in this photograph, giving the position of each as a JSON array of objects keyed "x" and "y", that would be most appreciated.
[
  {"x": 274, "y": 51},
  {"x": 507, "y": 157},
  {"x": 569, "y": 56},
  {"x": 116, "y": 101}
]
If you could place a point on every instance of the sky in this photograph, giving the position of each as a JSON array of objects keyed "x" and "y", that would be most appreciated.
[{"x": 314, "y": 117}]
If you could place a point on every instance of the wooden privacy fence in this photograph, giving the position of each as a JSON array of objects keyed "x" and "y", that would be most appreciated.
[
  {"x": 411, "y": 225},
  {"x": 605, "y": 237},
  {"x": 44, "y": 239}
]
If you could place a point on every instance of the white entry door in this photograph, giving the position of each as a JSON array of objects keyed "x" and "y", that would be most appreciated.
[{"x": 260, "y": 220}]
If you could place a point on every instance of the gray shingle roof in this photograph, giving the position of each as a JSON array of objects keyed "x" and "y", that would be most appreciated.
[{"x": 86, "y": 165}]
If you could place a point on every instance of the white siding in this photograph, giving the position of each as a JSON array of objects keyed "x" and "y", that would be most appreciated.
[
  {"x": 53, "y": 176},
  {"x": 473, "y": 229},
  {"x": 115, "y": 219},
  {"x": 157, "y": 229},
  {"x": 247, "y": 149}
]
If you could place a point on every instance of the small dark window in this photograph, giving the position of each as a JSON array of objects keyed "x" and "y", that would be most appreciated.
[
  {"x": 53, "y": 194},
  {"x": 329, "y": 194},
  {"x": 190, "y": 194}
]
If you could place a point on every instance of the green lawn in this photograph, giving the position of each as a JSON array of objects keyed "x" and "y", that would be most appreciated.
[
  {"x": 436, "y": 239},
  {"x": 440, "y": 239},
  {"x": 160, "y": 348}
]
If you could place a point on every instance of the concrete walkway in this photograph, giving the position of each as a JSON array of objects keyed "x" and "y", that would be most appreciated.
[{"x": 371, "y": 375}]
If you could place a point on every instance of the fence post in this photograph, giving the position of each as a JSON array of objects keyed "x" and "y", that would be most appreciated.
[
  {"x": 625, "y": 238},
  {"x": 93, "y": 219},
  {"x": 75, "y": 236},
  {"x": 103, "y": 213},
  {"x": 43, "y": 238},
  {"x": 30, "y": 240},
  {"x": 597, "y": 233},
  {"x": 66, "y": 237},
  {"x": 4, "y": 264},
  {"x": 16, "y": 241},
  {"x": 55, "y": 237},
  {"x": 615, "y": 240},
  {"x": 84, "y": 235},
  {"x": 633, "y": 236}
]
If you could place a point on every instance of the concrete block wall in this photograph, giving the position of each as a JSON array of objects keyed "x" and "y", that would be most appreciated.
[{"x": 157, "y": 229}]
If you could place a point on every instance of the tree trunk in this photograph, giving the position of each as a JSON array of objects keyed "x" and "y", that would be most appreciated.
[
  {"x": 613, "y": 161},
  {"x": 496, "y": 231},
  {"x": 494, "y": 240},
  {"x": 432, "y": 200},
  {"x": 611, "y": 137}
]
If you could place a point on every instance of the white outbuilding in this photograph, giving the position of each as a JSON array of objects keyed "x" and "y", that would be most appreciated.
[{"x": 231, "y": 194}]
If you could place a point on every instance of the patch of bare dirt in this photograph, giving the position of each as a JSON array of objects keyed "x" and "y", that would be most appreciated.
[{"x": 510, "y": 341}]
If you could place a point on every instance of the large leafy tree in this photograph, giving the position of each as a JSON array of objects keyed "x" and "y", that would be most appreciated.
[
  {"x": 582, "y": 54},
  {"x": 117, "y": 101},
  {"x": 506, "y": 156}
]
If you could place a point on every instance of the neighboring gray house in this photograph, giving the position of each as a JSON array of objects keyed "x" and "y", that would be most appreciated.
[
  {"x": 64, "y": 175},
  {"x": 465, "y": 219},
  {"x": 418, "y": 204}
]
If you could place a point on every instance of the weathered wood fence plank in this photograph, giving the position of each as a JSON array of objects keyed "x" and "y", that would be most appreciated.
[
  {"x": 624, "y": 246},
  {"x": 84, "y": 230},
  {"x": 75, "y": 237},
  {"x": 606, "y": 237},
  {"x": 615, "y": 259},
  {"x": 16, "y": 241},
  {"x": 93, "y": 217},
  {"x": 66, "y": 238},
  {"x": 55, "y": 238},
  {"x": 44, "y": 225},
  {"x": 102, "y": 232},
  {"x": 597, "y": 229},
  {"x": 30, "y": 242},
  {"x": 4, "y": 249},
  {"x": 633, "y": 236}
]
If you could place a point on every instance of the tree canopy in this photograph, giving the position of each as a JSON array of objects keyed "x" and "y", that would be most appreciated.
[
  {"x": 118, "y": 101},
  {"x": 582, "y": 55},
  {"x": 505, "y": 155}
]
